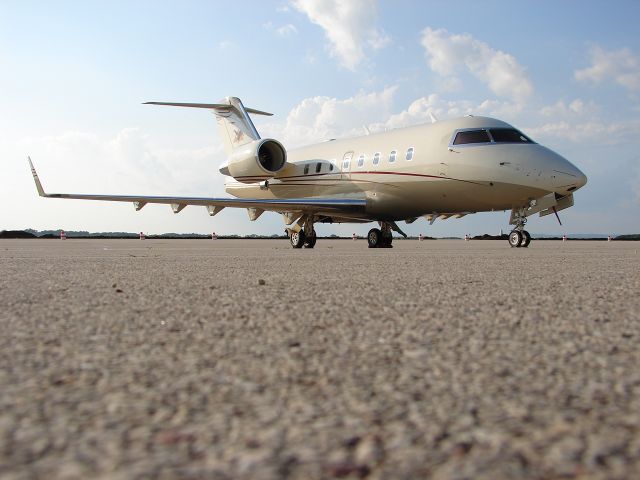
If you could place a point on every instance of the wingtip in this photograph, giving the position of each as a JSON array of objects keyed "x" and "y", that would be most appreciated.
[{"x": 39, "y": 188}]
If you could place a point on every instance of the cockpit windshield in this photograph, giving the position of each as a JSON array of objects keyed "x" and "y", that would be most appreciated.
[
  {"x": 471, "y": 136},
  {"x": 509, "y": 135},
  {"x": 491, "y": 135}
]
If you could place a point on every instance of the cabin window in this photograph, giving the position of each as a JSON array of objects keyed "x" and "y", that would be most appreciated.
[
  {"x": 318, "y": 167},
  {"x": 306, "y": 169},
  {"x": 360, "y": 161},
  {"x": 392, "y": 156},
  {"x": 509, "y": 135},
  {"x": 472, "y": 136},
  {"x": 409, "y": 154},
  {"x": 376, "y": 158},
  {"x": 331, "y": 167}
]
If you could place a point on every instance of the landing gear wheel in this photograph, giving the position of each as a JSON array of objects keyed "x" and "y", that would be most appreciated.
[
  {"x": 297, "y": 239},
  {"x": 386, "y": 240},
  {"x": 374, "y": 238},
  {"x": 310, "y": 241},
  {"x": 526, "y": 239},
  {"x": 515, "y": 239}
]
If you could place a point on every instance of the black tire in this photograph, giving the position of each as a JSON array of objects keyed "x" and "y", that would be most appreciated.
[
  {"x": 387, "y": 239},
  {"x": 526, "y": 239},
  {"x": 515, "y": 239},
  {"x": 374, "y": 238},
  {"x": 297, "y": 239},
  {"x": 310, "y": 241}
]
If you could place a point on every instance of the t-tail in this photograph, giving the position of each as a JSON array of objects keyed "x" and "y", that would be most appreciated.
[
  {"x": 249, "y": 158},
  {"x": 236, "y": 127}
]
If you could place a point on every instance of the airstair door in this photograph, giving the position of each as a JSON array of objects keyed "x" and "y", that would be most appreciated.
[{"x": 345, "y": 167}]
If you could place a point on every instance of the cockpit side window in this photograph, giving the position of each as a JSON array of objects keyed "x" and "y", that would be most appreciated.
[
  {"x": 509, "y": 135},
  {"x": 471, "y": 136}
]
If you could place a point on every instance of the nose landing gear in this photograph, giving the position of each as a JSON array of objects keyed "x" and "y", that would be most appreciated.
[{"x": 519, "y": 237}]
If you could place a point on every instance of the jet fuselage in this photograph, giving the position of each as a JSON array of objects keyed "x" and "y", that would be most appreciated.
[{"x": 429, "y": 173}]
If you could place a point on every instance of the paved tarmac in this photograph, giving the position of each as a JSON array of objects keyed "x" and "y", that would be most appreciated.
[{"x": 249, "y": 360}]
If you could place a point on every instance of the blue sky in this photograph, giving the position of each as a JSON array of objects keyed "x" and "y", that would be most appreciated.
[{"x": 74, "y": 75}]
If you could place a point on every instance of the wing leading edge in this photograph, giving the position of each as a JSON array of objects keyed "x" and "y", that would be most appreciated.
[{"x": 328, "y": 206}]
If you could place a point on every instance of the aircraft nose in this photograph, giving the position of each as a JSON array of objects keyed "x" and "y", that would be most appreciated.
[
  {"x": 578, "y": 179},
  {"x": 567, "y": 177},
  {"x": 582, "y": 179}
]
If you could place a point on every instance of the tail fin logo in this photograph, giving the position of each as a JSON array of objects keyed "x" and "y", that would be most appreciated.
[{"x": 238, "y": 136}]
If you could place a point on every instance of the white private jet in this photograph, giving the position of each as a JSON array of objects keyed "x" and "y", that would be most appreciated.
[{"x": 438, "y": 170}]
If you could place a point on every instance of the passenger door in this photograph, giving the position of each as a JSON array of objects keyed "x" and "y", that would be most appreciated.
[{"x": 345, "y": 166}]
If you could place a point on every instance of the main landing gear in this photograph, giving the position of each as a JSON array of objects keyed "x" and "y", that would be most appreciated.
[
  {"x": 303, "y": 236},
  {"x": 519, "y": 237},
  {"x": 382, "y": 237},
  {"x": 300, "y": 239}
]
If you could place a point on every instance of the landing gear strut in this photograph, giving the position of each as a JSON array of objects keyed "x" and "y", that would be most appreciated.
[{"x": 519, "y": 237}]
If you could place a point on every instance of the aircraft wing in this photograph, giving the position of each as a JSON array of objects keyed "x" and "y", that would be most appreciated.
[{"x": 256, "y": 206}]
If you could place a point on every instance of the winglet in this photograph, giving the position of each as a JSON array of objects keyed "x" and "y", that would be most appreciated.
[{"x": 36, "y": 179}]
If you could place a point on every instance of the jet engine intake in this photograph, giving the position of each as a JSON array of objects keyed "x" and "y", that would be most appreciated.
[{"x": 256, "y": 161}]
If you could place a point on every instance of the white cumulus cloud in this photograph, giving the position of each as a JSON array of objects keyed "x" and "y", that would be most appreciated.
[
  {"x": 595, "y": 132},
  {"x": 620, "y": 66},
  {"x": 287, "y": 30},
  {"x": 316, "y": 119},
  {"x": 125, "y": 161},
  {"x": 449, "y": 53},
  {"x": 419, "y": 110},
  {"x": 563, "y": 109},
  {"x": 350, "y": 26}
]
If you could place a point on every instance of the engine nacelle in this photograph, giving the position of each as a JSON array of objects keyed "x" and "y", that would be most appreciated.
[{"x": 255, "y": 161}]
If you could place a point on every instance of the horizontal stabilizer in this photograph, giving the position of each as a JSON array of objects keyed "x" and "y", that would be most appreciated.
[{"x": 211, "y": 106}]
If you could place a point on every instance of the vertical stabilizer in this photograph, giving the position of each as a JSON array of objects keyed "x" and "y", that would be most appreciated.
[{"x": 236, "y": 128}]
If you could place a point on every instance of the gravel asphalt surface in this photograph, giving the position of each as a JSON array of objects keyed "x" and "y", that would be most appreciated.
[{"x": 246, "y": 359}]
